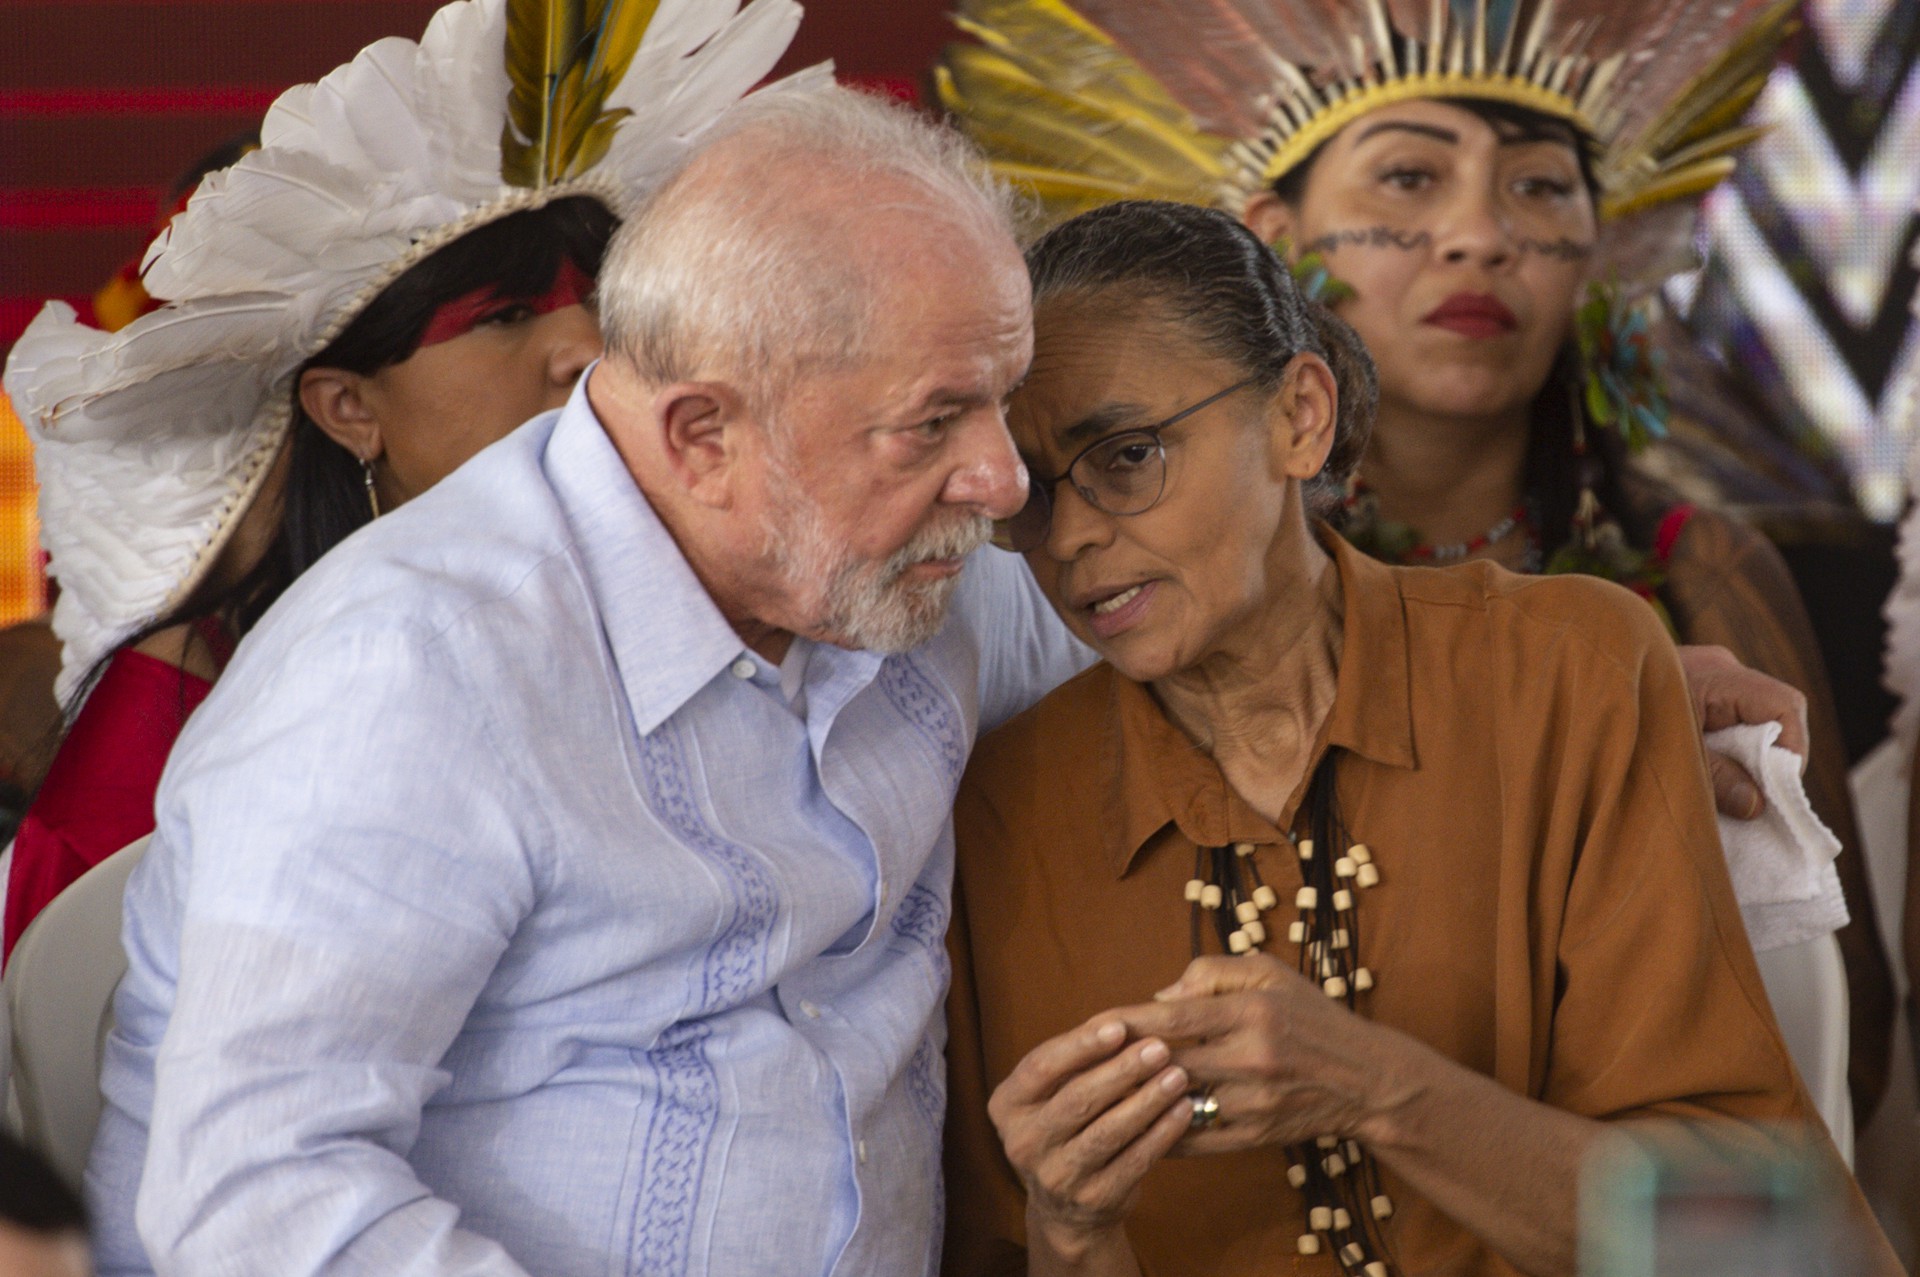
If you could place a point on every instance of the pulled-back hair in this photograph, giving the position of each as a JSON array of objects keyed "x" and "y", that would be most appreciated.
[{"x": 1214, "y": 278}]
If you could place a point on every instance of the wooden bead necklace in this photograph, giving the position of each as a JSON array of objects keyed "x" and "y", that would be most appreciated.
[{"x": 1346, "y": 1210}]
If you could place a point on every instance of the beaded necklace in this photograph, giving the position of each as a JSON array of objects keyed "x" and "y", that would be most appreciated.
[
  {"x": 1394, "y": 542},
  {"x": 1345, "y": 1207}
]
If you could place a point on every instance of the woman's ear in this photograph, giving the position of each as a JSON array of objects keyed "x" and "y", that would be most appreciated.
[
  {"x": 1269, "y": 217},
  {"x": 336, "y": 400},
  {"x": 1310, "y": 402}
]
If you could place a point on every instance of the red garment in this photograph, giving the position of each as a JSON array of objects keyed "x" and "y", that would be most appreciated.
[{"x": 98, "y": 794}]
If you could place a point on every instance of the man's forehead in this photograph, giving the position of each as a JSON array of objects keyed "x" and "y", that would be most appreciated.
[
  {"x": 963, "y": 300},
  {"x": 955, "y": 368}
]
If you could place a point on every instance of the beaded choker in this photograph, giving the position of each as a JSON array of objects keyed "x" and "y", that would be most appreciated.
[
  {"x": 1345, "y": 1207},
  {"x": 1393, "y": 542}
]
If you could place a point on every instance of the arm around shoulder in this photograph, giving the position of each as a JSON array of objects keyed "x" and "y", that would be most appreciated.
[{"x": 1730, "y": 587}]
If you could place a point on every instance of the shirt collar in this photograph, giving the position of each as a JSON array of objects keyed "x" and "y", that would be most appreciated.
[
  {"x": 667, "y": 636},
  {"x": 1158, "y": 777}
]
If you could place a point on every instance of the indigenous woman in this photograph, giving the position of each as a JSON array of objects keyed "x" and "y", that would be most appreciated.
[
  {"x": 1381, "y": 894},
  {"x": 397, "y": 278},
  {"x": 1479, "y": 191}
]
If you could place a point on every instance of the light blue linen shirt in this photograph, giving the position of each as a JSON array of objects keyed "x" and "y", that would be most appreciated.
[{"x": 503, "y": 917}]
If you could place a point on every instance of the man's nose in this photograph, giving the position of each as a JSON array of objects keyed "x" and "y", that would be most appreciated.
[{"x": 990, "y": 476}]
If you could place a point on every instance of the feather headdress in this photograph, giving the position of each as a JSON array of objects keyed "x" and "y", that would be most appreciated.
[
  {"x": 1213, "y": 100},
  {"x": 150, "y": 442}
]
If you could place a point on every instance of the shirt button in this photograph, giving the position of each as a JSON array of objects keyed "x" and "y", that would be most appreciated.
[
  {"x": 860, "y": 1151},
  {"x": 809, "y": 1010},
  {"x": 743, "y": 668}
]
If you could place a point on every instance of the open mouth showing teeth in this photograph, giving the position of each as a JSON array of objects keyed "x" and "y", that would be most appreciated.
[{"x": 1117, "y": 602}]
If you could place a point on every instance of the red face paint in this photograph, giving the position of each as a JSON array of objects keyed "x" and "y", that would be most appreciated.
[{"x": 570, "y": 287}]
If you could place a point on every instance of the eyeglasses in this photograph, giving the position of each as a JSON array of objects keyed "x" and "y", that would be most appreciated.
[{"x": 1124, "y": 473}]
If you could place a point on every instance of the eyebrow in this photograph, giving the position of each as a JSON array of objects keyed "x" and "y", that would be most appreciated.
[
  {"x": 941, "y": 399},
  {"x": 1101, "y": 421},
  {"x": 1409, "y": 126},
  {"x": 1452, "y": 138}
]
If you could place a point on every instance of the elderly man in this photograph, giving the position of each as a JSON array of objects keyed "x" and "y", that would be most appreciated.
[{"x": 556, "y": 882}]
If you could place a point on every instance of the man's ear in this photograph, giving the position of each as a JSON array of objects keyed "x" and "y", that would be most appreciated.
[
  {"x": 336, "y": 400},
  {"x": 702, "y": 427},
  {"x": 1309, "y": 402},
  {"x": 1269, "y": 217}
]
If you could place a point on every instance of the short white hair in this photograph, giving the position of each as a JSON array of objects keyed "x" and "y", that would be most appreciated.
[{"x": 726, "y": 271}]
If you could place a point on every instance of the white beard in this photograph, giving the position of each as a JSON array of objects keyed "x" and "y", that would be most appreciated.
[{"x": 862, "y": 604}]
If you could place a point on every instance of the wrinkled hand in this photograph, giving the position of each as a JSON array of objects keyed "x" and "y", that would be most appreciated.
[
  {"x": 1727, "y": 693},
  {"x": 1286, "y": 1062},
  {"x": 1082, "y": 1118}
]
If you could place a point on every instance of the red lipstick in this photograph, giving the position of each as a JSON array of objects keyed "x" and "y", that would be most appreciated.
[{"x": 1476, "y": 315}]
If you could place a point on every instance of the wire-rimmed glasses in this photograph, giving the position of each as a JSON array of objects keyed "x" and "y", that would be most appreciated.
[{"x": 1124, "y": 473}]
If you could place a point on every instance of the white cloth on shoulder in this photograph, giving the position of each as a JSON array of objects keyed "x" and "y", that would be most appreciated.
[{"x": 1781, "y": 861}]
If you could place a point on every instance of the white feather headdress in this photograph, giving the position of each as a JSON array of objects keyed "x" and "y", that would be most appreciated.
[{"x": 150, "y": 442}]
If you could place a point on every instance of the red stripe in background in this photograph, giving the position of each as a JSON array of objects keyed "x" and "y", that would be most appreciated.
[
  {"x": 239, "y": 99},
  {"x": 76, "y": 208},
  {"x": 66, "y": 103},
  {"x": 400, "y": 6},
  {"x": 897, "y": 87},
  {"x": 17, "y": 312}
]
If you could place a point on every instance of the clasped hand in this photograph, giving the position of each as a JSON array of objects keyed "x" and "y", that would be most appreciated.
[{"x": 1085, "y": 1115}]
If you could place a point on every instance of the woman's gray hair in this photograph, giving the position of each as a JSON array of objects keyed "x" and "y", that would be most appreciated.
[
  {"x": 1218, "y": 282},
  {"x": 740, "y": 264}
]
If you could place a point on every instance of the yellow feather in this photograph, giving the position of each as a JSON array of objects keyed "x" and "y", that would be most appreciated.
[
  {"x": 539, "y": 33},
  {"x": 1062, "y": 195},
  {"x": 1725, "y": 115},
  {"x": 1686, "y": 150},
  {"x": 564, "y": 58},
  {"x": 1086, "y": 123},
  {"x": 597, "y": 139},
  {"x": 1725, "y": 142},
  {"x": 1061, "y": 111},
  {"x": 1695, "y": 180},
  {"x": 1720, "y": 97}
]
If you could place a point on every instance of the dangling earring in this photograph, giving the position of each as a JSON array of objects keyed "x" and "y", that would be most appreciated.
[{"x": 373, "y": 497}]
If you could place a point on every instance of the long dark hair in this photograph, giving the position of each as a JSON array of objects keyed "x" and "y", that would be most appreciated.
[
  {"x": 1216, "y": 279},
  {"x": 1555, "y": 469},
  {"x": 324, "y": 498}
]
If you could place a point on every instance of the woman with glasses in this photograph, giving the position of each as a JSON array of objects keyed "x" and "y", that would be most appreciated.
[
  {"x": 1338, "y": 914},
  {"x": 1491, "y": 203}
]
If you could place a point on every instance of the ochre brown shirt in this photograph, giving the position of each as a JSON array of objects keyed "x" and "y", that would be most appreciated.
[{"x": 1554, "y": 909}]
